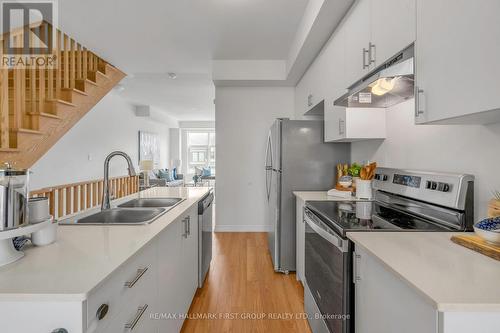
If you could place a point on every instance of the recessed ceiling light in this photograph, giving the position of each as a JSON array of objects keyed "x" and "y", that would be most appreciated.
[{"x": 172, "y": 75}]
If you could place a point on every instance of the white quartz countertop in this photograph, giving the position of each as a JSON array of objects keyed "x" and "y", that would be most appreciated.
[
  {"x": 319, "y": 196},
  {"x": 85, "y": 255},
  {"x": 450, "y": 276}
]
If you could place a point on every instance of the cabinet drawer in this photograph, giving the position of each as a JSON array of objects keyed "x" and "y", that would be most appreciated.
[
  {"x": 137, "y": 315},
  {"x": 133, "y": 278}
]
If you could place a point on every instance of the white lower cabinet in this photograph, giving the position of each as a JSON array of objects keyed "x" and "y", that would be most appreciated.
[
  {"x": 385, "y": 304},
  {"x": 300, "y": 241},
  {"x": 354, "y": 124},
  {"x": 178, "y": 270}
]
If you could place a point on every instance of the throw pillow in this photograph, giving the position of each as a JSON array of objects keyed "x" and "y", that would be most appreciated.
[
  {"x": 164, "y": 174},
  {"x": 206, "y": 172}
]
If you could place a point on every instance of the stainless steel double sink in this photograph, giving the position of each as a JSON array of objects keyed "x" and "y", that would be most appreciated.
[{"x": 135, "y": 211}]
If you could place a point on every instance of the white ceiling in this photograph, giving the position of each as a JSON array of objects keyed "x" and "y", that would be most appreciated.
[{"x": 149, "y": 38}]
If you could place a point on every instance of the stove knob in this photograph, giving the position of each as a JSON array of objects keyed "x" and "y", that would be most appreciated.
[
  {"x": 446, "y": 187},
  {"x": 428, "y": 185},
  {"x": 434, "y": 185},
  {"x": 385, "y": 178},
  {"x": 377, "y": 176}
]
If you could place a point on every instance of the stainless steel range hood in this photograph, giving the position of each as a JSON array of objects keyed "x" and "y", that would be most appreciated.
[{"x": 388, "y": 84}]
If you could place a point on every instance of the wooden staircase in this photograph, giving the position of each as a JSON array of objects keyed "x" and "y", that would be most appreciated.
[{"x": 39, "y": 105}]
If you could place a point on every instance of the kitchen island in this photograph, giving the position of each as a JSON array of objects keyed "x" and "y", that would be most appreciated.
[
  {"x": 423, "y": 282},
  {"x": 103, "y": 278}
]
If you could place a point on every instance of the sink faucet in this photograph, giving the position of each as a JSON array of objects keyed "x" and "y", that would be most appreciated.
[{"x": 106, "y": 204}]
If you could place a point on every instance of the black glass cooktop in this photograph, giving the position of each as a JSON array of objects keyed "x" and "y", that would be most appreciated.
[{"x": 345, "y": 216}]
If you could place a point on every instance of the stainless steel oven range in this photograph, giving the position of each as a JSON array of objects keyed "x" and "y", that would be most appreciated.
[{"x": 403, "y": 201}]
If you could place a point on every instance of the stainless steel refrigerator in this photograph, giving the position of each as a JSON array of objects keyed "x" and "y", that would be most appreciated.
[{"x": 297, "y": 159}]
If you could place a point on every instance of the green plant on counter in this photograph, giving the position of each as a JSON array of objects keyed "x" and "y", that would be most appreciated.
[{"x": 354, "y": 170}]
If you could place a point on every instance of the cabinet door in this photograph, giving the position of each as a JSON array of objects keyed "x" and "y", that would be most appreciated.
[
  {"x": 335, "y": 122},
  {"x": 385, "y": 304},
  {"x": 170, "y": 277},
  {"x": 357, "y": 29},
  {"x": 300, "y": 239},
  {"x": 457, "y": 59},
  {"x": 189, "y": 257},
  {"x": 392, "y": 27}
]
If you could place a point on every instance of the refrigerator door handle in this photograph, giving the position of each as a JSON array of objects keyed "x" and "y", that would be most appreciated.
[
  {"x": 266, "y": 165},
  {"x": 269, "y": 166}
]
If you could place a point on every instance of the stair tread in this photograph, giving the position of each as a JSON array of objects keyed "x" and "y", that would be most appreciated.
[
  {"x": 27, "y": 131},
  {"x": 44, "y": 114},
  {"x": 9, "y": 150},
  {"x": 61, "y": 101},
  {"x": 76, "y": 90}
]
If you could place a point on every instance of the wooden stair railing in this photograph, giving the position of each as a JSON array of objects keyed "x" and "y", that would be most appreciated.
[
  {"x": 70, "y": 199},
  {"x": 38, "y": 105}
]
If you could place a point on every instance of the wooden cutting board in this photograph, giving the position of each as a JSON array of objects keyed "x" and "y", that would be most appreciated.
[
  {"x": 494, "y": 208},
  {"x": 477, "y": 244}
]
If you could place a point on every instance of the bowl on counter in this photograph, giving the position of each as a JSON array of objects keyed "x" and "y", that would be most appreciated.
[
  {"x": 489, "y": 230},
  {"x": 345, "y": 181}
]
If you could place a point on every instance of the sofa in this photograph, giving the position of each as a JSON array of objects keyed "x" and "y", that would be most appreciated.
[{"x": 156, "y": 180}]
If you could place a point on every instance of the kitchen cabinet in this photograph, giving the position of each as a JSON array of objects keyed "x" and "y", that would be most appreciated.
[
  {"x": 300, "y": 241},
  {"x": 392, "y": 27},
  {"x": 457, "y": 61},
  {"x": 357, "y": 29},
  {"x": 310, "y": 90},
  {"x": 189, "y": 259},
  {"x": 384, "y": 303},
  {"x": 376, "y": 30},
  {"x": 115, "y": 303},
  {"x": 178, "y": 269},
  {"x": 353, "y": 124}
]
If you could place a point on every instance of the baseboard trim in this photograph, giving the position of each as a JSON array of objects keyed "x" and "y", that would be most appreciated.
[{"x": 242, "y": 228}]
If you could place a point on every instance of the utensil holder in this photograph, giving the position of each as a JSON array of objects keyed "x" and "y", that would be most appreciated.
[{"x": 364, "y": 189}]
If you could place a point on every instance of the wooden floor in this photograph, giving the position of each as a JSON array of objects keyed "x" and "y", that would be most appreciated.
[{"x": 242, "y": 293}]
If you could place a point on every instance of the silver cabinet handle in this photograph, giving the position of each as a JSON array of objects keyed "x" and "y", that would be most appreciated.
[
  {"x": 341, "y": 126},
  {"x": 372, "y": 53},
  {"x": 309, "y": 100},
  {"x": 140, "y": 312},
  {"x": 355, "y": 276},
  {"x": 189, "y": 225},
  {"x": 419, "y": 106},
  {"x": 140, "y": 273},
  {"x": 185, "y": 234},
  {"x": 365, "y": 53}
]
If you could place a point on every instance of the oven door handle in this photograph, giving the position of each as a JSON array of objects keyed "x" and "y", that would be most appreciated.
[{"x": 338, "y": 242}]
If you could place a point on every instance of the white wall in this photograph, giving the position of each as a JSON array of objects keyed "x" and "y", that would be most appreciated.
[
  {"x": 175, "y": 145},
  {"x": 470, "y": 149},
  {"x": 243, "y": 117},
  {"x": 196, "y": 124},
  {"x": 110, "y": 125}
]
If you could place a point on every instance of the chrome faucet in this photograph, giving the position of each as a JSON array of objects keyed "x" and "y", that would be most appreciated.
[{"x": 106, "y": 201}]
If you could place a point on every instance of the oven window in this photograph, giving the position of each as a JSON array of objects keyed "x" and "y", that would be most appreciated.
[{"x": 327, "y": 276}]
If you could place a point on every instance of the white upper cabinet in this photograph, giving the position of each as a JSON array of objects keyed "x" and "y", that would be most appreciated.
[
  {"x": 458, "y": 61},
  {"x": 357, "y": 30},
  {"x": 353, "y": 124},
  {"x": 392, "y": 27}
]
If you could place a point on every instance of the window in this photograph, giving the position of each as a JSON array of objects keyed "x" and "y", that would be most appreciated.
[{"x": 200, "y": 148}]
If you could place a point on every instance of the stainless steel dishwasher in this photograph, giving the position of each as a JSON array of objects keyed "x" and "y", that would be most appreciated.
[{"x": 205, "y": 233}]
